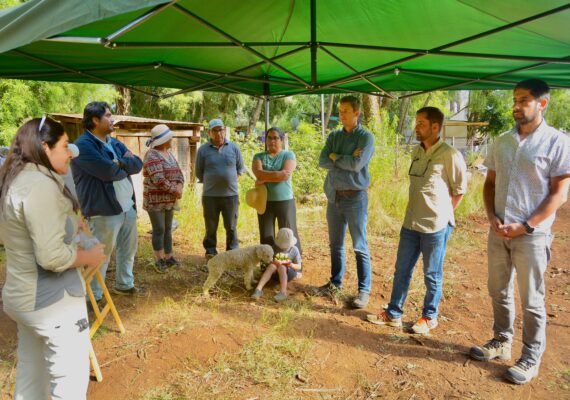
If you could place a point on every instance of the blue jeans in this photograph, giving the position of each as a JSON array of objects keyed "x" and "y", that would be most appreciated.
[
  {"x": 432, "y": 246},
  {"x": 118, "y": 231},
  {"x": 352, "y": 211}
]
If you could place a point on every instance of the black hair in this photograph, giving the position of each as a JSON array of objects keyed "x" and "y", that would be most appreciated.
[
  {"x": 27, "y": 147},
  {"x": 537, "y": 87},
  {"x": 276, "y": 130},
  {"x": 93, "y": 109},
  {"x": 433, "y": 114}
]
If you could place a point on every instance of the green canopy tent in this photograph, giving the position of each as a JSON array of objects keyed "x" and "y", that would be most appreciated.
[{"x": 287, "y": 47}]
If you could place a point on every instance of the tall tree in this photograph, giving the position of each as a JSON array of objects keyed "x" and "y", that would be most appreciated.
[
  {"x": 123, "y": 100},
  {"x": 403, "y": 114},
  {"x": 328, "y": 113},
  {"x": 254, "y": 115},
  {"x": 371, "y": 111}
]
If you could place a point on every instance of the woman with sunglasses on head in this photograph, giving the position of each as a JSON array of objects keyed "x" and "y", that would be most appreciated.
[
  {"x": 44, "y": 291},
  {"x": 274, "y": 168}
]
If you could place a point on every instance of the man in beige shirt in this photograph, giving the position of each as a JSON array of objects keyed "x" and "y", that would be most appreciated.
[{"x": 438, "y": 181}]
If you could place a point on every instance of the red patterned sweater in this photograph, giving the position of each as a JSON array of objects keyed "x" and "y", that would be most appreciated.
[{"x": 161, "y": 178}]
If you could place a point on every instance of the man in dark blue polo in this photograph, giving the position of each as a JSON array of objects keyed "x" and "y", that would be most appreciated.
[{"x": 219, "y": 163}]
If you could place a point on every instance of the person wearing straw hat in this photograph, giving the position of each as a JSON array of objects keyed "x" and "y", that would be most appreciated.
[
  {"x": 219, "y": 164},
  {"x": 273, "y": 168},
  {"x": 102, "y": 175},
  {"x": 287, "y": 264},
  {"x": 162, "y": 187}
]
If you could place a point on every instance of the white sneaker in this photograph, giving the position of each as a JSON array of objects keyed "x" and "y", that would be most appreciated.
[{"x": 424, "y": 325}]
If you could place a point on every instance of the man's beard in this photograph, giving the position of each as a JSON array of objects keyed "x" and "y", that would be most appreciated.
[{"x": 525, "y": 119}]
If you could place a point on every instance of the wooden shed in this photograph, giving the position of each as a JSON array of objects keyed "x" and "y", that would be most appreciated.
[{"x": 135, "y": 131}]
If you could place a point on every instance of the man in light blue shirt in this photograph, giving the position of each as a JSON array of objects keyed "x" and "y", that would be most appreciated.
[
  {"x": 527, "y": 182},
  {"x": 219, "y": 163},
  {"x": 346, "y": 156}
]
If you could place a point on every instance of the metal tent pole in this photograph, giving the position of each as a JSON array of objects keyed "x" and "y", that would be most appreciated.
[
  {"x": 266, "y": 113},
  {"x": 323, "y": 116}
]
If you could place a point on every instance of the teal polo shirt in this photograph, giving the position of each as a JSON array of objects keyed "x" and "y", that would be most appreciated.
[{"x": 277, "y": 191}]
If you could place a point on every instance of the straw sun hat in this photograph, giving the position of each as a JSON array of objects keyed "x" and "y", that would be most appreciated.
[
  {"x": 160, "y": 134},
  {"x": 257, "y": 198}
]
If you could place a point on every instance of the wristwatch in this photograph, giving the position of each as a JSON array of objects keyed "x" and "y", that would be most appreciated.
[{"x": 527, "y": 227}]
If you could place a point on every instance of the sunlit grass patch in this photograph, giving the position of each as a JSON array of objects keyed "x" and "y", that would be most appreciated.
[{"x": 270, "y": 359}]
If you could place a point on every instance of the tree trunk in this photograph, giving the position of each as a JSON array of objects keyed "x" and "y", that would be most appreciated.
[
  {"x": 202, "y": 106},
  {"x": 255, "y": 116},
  {"x": 427, "y": 100},
  {"x": 371, "y": 112},
  {"x": 123, "y": 101},
  {"x": 328, "y": 113},
  {"x": 402, "y": 115}
]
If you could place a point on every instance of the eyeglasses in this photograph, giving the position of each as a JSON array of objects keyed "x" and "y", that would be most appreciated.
[{"x": 416, "y": 167}]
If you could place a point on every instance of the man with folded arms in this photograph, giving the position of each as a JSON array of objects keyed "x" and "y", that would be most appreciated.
[{"x": 346, "y": 155}]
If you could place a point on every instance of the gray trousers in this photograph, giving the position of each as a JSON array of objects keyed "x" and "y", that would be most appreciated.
[
  {"x": 528, "y": 256},
  {"x": 53, "y": 351}
]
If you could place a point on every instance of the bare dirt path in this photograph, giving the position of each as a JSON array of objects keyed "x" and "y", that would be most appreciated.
[{"x": 177, "y": 346}]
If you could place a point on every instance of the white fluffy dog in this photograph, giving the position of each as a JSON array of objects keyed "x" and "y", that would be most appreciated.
[{"x": 245, "y": 259}]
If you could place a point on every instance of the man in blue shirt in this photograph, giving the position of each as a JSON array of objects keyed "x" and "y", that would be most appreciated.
[
  {"x": 102, "y": 179},
  {"x": 219, "y": 163},
  {"x": 346, "y": 156}
]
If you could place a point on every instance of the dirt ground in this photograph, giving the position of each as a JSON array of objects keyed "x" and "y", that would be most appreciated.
[{"x": 176, "y": 342}]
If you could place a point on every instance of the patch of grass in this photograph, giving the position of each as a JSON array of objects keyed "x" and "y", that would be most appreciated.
[
  {"x": 271, "y": 359},
  {"x": 472, "y": 201},
  {"x": 365, "y": 389},
  {"x": 267, "y": 365},
  {"x": 102, "y": 331},
  {"x": 562, "y": 381},
  {"x": 398, "y": 338},
  {"x": 161, "y": 394},
  {"x": 173, "y": 315},
  {"x": 145, "y": 253},
  {"x": 190, "y": 216}
]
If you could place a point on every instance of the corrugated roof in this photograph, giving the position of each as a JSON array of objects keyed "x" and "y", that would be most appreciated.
[{"x": 121, "y": 120}]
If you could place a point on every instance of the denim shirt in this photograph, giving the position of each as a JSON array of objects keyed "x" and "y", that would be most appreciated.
[{"x": 347, "y": 172}]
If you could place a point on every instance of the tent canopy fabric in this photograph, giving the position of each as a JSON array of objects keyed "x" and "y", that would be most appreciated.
[{"x": 286, "y": 47}]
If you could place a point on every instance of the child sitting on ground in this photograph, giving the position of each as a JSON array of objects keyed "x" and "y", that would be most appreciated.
[{"x": 286, "y": 263}]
